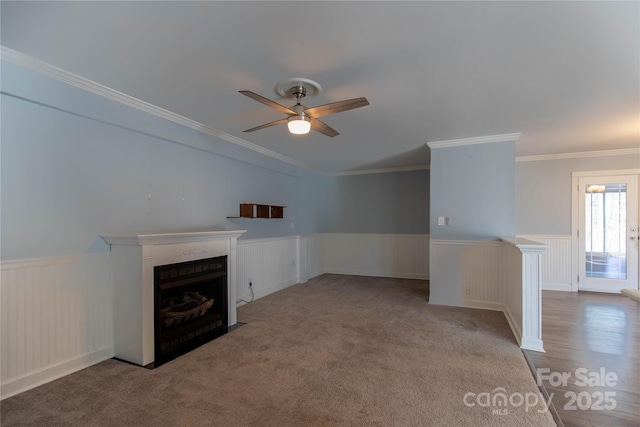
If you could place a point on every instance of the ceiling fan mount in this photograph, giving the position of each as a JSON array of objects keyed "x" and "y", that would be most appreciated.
[
  {"x": 300, "y": 119},
  {"x": 292, "y": 87}
]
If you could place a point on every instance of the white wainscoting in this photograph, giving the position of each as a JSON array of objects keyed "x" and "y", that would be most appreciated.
[
  {"x": 513, "y": 289},
  {"x": 523, "y": 290},
  {"x": 468, "y": 274},
  {"x": 381, "y": 255},
  {"x": 311, "y": 256},
  {"x": 556, "y": 261},
  {"x": 57, "y": 312},
  {"x": 57, "y": 318},
  {"x": 271, "y": 264}
]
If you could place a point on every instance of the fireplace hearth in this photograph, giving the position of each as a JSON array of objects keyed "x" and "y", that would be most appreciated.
[{"x": 190, "y": 306}]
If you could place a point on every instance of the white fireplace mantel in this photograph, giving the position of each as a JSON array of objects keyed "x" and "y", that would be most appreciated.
[{"x": 134, "y": 257}]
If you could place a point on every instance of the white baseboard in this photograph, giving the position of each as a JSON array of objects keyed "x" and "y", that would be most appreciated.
[
  {"x": 617, "y": 290},
  {"x": 634, "y": 294},
  {"x": 264, "y": 292},
  {"x": 370, "y": 273},
  {"x": 513, "y": 325},
  {"x": 529, "y": 343},
  {"x": 50, "y": 373},
  {"x": 483, "y": 305},
  {"x": 564, "y": 287}
]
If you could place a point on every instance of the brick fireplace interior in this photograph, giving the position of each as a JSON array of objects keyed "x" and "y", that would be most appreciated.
[{"x": 190, "y": 306}]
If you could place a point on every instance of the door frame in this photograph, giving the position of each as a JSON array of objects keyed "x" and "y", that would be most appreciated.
[{"x": 575, "y": 218}]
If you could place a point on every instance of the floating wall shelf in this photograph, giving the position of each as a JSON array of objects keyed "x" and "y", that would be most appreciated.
[{"x": 258, "y": 210}]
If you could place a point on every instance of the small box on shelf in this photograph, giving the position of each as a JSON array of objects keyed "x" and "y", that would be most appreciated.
[
  {"x": 257, "y": 210},
  {"x": 247, "y": 210},
  {"x": 277, "y": 211},
  {"x": 262, "y": 211}
]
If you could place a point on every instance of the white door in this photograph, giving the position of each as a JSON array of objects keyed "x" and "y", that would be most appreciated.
[{"x": 608, "y": 233}]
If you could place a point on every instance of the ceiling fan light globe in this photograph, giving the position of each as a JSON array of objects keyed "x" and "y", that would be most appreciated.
[{"x": 299, "y": 125}]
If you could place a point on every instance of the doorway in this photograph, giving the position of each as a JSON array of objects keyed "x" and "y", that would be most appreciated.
[{"x": 606, "y": 231}]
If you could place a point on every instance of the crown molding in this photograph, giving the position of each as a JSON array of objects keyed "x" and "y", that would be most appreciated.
[
  {"x": 581, "y": 154},
  {"x": 507, "y": 137},
  {"x": 48, "y": 70},
  {"x": 382, "y": 170}
]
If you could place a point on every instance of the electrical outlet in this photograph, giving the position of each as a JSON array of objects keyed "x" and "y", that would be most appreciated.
[
  {"x": 293, "y": 263},
  {"x": 250, "y": 284}
]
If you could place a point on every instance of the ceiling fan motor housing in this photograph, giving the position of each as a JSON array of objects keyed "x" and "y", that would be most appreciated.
[{"x": 298, "y": 92}]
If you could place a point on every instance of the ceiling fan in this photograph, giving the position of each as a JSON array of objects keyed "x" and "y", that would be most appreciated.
[{"x": 301, "y": 119}]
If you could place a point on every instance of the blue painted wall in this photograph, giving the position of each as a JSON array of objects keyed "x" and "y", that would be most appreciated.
[
  {"x": 388, "y": 203},
  {"x": 75, "y": 165},
  {"x": 473, "y": 185},
  {"x": 543, "y": 190}
]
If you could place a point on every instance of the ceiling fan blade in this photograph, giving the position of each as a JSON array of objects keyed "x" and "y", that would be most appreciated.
[
  {"x": 267, "y": 102},
  {"x": 336, "y": 107},
  {"x": 268, "y": 125},
  {"x": 323, "y": 128}
]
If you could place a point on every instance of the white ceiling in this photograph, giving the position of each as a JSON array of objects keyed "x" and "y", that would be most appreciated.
[{"x": 565, "y": 74}]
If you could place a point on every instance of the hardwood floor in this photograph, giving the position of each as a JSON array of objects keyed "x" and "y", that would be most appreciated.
[{"x": 594, "y": 338}]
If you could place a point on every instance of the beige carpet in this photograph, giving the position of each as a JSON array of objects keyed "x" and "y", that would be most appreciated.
[{"x": 337, "y": 350}]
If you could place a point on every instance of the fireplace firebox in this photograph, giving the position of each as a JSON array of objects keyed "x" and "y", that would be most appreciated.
[{"x": 190, "y": 306}]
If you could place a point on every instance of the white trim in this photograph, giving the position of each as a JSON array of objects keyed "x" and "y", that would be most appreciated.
[
  {"x": 580, "y": 154},
  {"x": 38, "y": 262},
  {"x": 407, "y": 235},
  {"x": 536, "y": 158},
  {"x": 575, "y": 223},
  {"x": 507, "y": 137},
  {"x": 483, "y": 305},
  {"x": 575, "y": 220},
  {"x": 534, "y": 344},
  {"x": 387, "y": 170},
  {"x": 526, "y": 244},
  {"x": 467, "y": 242},
  {"x": 543, "y": 236},
  {"x": 48, "y": 70},
  {"x": 562, "y": 287},
  {"x": 634, "y": 294},
  {"x": 170, "y": 238},
  {"x": 377, "y": 273},
  {"x": 269, "y": 239},
  {"x": 53, "y": 372},
  {"x": 267, "y": 291},
  {"x": 607, "y": 173},
  {"x": 542, "y": 157},
  {"x": 513, "y": 325}
]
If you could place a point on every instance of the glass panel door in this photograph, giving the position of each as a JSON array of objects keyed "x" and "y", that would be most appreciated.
[
  {"x": 605, "y": 231},
  {"x": 608, "y": 233}
]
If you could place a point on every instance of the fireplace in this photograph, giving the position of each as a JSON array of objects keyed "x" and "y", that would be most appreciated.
[
  {"x": 136, "y": 261},
  {"x": 190, "y": 306}
]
